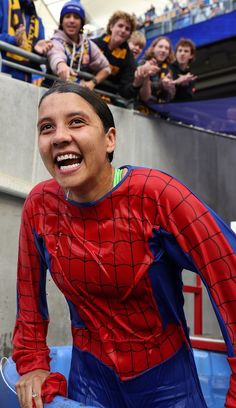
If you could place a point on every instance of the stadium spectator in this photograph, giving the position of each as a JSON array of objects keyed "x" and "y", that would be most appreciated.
[
  {"x": 200, "y": 12},
  {"x": 114, "y": 45},
  {"x": 215, "y": 9},
  {"x": 149, "y": 16},
  {"x": 159, "y": 86},
  {"x": 179, "y": 14},
  {"x": 166, "y": 9},
  {"x": 137, "y": 42},
  {"x": 184, "y": 80},
  {"x": 73, "y": 52},
  {"x": 139, "y": 22},
  {"x": 21, "y": 26},
  {"x": 185, "y": 18}
]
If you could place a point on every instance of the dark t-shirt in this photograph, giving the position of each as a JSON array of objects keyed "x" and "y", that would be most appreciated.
[
  {"x": 183, "y": 92},
  {"x": 122, "y": 65}
]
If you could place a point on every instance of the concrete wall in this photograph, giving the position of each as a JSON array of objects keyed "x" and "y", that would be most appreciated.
[{"x": 203, "y": 161}]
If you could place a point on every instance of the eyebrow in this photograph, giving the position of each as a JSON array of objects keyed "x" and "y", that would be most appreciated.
[{"x": 69, "y": 115}]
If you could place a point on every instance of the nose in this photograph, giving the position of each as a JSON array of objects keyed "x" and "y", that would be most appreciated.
[
  {"x": 61, "y": 136},
  {"x": 72, "y": 18}
]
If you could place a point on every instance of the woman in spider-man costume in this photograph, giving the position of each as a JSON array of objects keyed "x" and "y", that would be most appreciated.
[{"x": 115, "y": 242}]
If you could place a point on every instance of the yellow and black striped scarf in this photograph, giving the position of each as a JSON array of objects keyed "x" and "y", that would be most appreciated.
[
  {"x": 15, "y": 19},
  {"x": 164, "y": 70},
  {"x": 85, "y": 58},
  {"x": 115, "y": 57}
]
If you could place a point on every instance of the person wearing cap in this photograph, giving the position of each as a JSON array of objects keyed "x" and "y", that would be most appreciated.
[
  {"x": 73, "y": 52},
  {"x": 21, "y": 26}
]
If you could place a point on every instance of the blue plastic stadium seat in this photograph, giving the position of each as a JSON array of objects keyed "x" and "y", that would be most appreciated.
[{"x": 214, "y": 373}]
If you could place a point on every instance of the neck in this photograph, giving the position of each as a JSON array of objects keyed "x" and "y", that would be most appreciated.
[
  {"x": 113, "y": 44},
  {"x": 95, "y": 189},
  {"x": 183, "y": 66},
  {"x": 75, "y": 38}
]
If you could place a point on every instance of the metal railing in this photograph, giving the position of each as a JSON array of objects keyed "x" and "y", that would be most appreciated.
[{"x": 40, "y": 60}]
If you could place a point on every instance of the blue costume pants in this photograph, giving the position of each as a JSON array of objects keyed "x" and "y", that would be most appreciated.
[{"x": 172, "y": 384}]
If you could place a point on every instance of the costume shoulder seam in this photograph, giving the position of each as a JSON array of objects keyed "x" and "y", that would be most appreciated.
[
  {"x": 43, "y": 185},
  {"x": 149, "y": 171}
]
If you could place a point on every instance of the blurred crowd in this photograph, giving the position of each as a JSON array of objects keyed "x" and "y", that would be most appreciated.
[
  {"x": 112, "y": 60},
  {"x": 179, "y": 14}
]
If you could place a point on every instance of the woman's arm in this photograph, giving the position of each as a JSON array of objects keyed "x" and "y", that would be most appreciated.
[
  {"x": 30, "y": 351},
  {"x": 209, "y": 242}
]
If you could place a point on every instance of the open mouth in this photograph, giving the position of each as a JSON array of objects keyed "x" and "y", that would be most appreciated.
[{"x": 68, "y": 161}]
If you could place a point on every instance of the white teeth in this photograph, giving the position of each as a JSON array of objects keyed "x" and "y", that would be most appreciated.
[
  {"x": 71, "y": 166},
  {"x": 67, "y": 156}
]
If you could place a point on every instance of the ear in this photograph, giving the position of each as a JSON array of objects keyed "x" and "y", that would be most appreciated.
[{"x": 111, "y": 139}]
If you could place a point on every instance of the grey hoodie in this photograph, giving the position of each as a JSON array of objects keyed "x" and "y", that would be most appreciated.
[{"x": 65, "y": 50}]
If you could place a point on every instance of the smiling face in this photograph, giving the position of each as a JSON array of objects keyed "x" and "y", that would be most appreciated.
[
  {"x": 71, "y": 25},
  {"x": 74, "y": 146},
  {"x": 120, "y": 32},
  {"x": 161, "y": 50}
]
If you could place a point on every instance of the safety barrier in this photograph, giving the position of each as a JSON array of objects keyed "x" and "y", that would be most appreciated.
[{"x": 40, "y": 60}]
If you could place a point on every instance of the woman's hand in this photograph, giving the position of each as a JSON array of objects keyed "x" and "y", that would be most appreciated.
[{"x": 29, "y": 387}]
